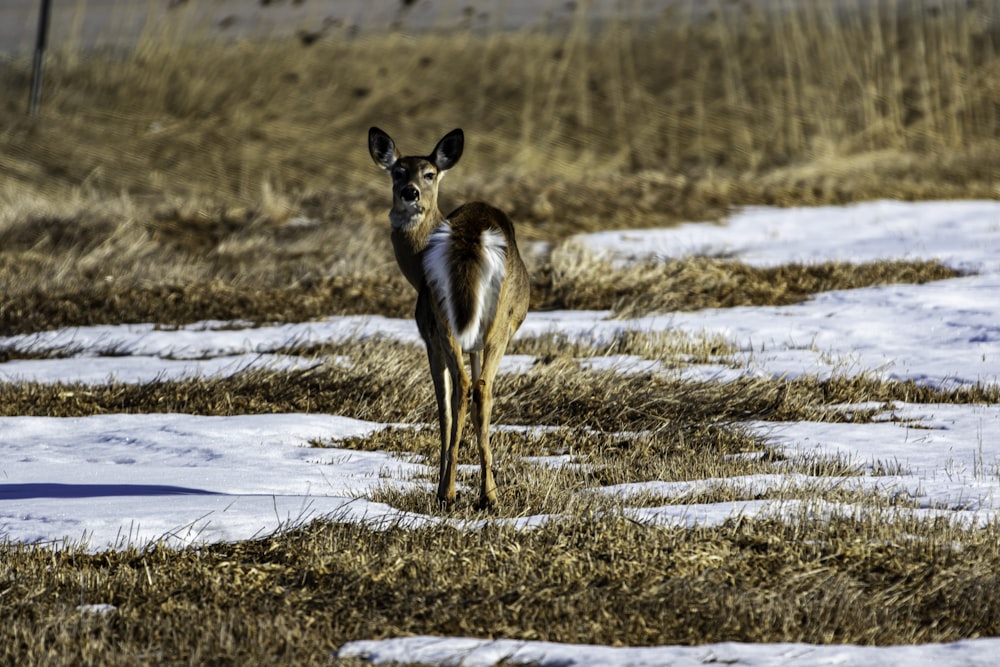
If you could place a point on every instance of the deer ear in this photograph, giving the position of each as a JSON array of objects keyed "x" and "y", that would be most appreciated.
[
  {"x": 382, "y": 148},
  {"x": 448, "y": 150}
]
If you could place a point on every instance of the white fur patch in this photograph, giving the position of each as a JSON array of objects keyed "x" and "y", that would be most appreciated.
[
  {"x": 492, "y": 259},
  {"x": 446, "y": 403}
]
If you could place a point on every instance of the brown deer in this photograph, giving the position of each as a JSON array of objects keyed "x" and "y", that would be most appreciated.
[{"x": 472, "y": 292}]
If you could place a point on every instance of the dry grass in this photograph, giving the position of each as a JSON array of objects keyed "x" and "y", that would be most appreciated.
[
  {"x": 795, "y": 106},
  {"x": 185, "y": 182},
  {"x": 184, "y": 303},
  {"x": 575, "y": 278},
  {"x": 669, "y": 346},
  {"x": 386, "y": 381},
  {"x": 589, "y": 460},
  {"x": 74, "y": 268},
  {"x": 34, "y": 304},
  {"x": 293, "y": 598},
  {"x": 230, "y": 181},
  {"x": 189, "y": 167}
]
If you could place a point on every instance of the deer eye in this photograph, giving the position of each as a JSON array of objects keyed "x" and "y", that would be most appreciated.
[
  {"x": 429, "y": 176},
  {"x": 398, "y": 174}
]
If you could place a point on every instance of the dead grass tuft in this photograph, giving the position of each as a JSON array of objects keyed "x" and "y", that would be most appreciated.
[
  {"x": 178, "y": 304},
  {"x": 577, "y": 279},
  {"x": 670, "y": 345}
]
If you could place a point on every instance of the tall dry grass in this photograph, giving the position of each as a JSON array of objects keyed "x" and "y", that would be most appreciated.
[
  {"x": 198, "y": 171},
  {"x": 771, "y": 101}
]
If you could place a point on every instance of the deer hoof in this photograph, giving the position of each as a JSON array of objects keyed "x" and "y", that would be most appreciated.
[{"x": 486, "y": 503}]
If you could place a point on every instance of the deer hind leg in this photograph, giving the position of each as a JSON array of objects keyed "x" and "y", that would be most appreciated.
[
  {"x": 459, "y": 385},
  {"x": 476, "y": 361},
  {"x": 482, "y": 397}
]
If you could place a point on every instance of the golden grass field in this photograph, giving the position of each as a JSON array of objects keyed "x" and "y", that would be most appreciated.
[
  {"x": 217, "y": 177},
  {"x": 186, "y": 181}
]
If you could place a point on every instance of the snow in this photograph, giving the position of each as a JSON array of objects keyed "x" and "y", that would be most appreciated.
[
  {"x": 958, "y": 234},
  {"x": 111, "y": 480},
  {"x": 141, "y": 369},
  {"x": 485, "y": 653},
  {"x": 949, "y": 454},
  {"x": 944, "y": 333},
  {"x": 114, "y": 479}
]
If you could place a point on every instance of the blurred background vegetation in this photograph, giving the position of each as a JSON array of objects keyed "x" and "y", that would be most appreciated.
[
  {"x": 218, "y": 160},
  {"x": 759, "y": 102}
]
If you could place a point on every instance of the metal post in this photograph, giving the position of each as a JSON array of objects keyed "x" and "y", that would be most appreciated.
[{"x": 40, "y": 42}]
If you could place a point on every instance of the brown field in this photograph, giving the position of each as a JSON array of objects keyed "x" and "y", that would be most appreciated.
[
  {"x": 217, "y": 178},
  {"x": 188, "y": 181}
]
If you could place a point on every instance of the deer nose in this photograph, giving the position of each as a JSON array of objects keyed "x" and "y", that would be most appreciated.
[{"x": 410, "y": 194}]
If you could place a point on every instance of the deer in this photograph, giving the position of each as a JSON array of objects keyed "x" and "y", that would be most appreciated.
[{"x": 472, "y": 294}]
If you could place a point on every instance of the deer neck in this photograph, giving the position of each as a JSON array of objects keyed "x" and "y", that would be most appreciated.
[{"x": 409, "y": 239}]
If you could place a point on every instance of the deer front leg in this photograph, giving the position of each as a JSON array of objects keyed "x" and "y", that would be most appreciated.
[
  {"x": 442, "y": 394},
  {"x": 441, "y": 376}
]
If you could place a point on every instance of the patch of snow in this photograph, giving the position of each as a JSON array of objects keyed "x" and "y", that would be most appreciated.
[{"x": 469, "y": 652}]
